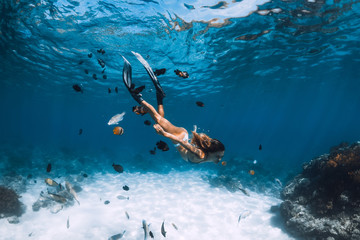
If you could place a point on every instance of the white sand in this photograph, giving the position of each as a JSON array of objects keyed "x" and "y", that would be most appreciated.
[{"x": 198, "y": 210}]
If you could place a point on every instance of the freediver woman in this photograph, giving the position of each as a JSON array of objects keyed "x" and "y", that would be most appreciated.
[{"x": 200, "y": 149}]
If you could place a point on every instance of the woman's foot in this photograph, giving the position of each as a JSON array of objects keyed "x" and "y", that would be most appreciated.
[{"x": 139, "y": 110}]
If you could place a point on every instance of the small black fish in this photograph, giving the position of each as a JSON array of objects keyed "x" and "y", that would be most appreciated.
[
  {"x": 104, "y": 77},
  {"x": 159, "y": 72},
  {"x": 90, "y": 55},
  {"x": 260, "y": 147},
  {"x": 81, "y": 62},
  {"x": 103, "y": 70},
  {"x": 106, "y": 202},
  {"x": 116, "y": 89},
  {"x": 86, "y": 71},
  {"x": 94, "y": 76},
  {"x": 77, "y": 88},
  {"x": 147, "y": 122},
  {"x": 101, "y": 62},
  {"x": 80, "y": 131},
  {"x": 139, "y": 89},
  {"x": 102, "y": 51},
  {"x": 109, "y": 90},
  {"x": 151, "y": 234},
  {"x": 85, "y": 175},
  {"x": 48, "y": 169},
  {"x": 200, "y": 104},
  {"x": 126, "y": 188},
  {"x": 118, "y": 168},
  {"x": 162, "y": 146},
  {"x": 153, "y": 152}
]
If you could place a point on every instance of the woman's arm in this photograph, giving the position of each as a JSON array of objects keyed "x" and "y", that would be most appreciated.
[{"x": 183, "y": 143}]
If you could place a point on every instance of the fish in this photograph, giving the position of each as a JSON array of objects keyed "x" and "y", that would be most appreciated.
[
  {"x": 163, "y": 232},
  {"x": 51, "y": 182},
  {"x": 118, "y": 168},
  {"x": 127, "y": 215},
  {"x": 116, "y": 89},
  {"x": 153, "y": 152},
  {"x": 126, "y": 188},
  {"x": 241, "y": 188},
  {"x": 90, "y": 55},
  {"x": 278, "y": 182},
  {"x": 139, "y": 89},
  {"x": 106, "y": 202},
  {"x": 116, "y": 118},
  {"x": 80, "y": 131},
  {"x": 71, "y": 190},
  {"x": 173, "y": 224},
  {"x": 109, "y": 90},
  {"x": 85, "y": 175},
  {"x": 260, "y": 147},
  {"x": 118, "y": 131},
  {"x": 117, "y": 236},
  {"x": 104, "y": 77},
  {"x": 120, "y": 197},
  {"x": 162, "y": 146},
  {"x": 94, "y": 76},
  {"x": 81, "y": 62},
  {"x": 86, "y": 71},
  {"x": 182, "y": 74},
  {"x": 102, "y": 51},
  {"x": 251, "y": 172},
  {"x": 244, "y": 215},
  {"x": 200, "y": 104},
  {"x": 103, "y": 71},
  {"x": 224, "y": 163},
  {"x": 146, "y": 229},
  {"x": 255, "y": 161},
  {"x": 57, "y": 198},
  {"x": 147, "y": 122},
  {"x": 151, "y": 234},
  {"x": 77, "y": 88},
  {"x": 159, "y": 72},
  {"x": 101, "y": 62},
  {"x": 48, "y": 169},
  {"x": 67, "y": 223}
]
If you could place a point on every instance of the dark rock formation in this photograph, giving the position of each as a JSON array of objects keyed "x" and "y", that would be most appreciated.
[
  {"x": 9, "y": 203},
  {"x": 323, "y": 202}
]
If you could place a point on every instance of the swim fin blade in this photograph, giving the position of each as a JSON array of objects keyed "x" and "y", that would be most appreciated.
[
  {"x": 153, "y": 77},
  {"x": 127, "y": 78}
]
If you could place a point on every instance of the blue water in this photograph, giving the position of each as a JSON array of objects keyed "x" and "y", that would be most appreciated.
[{"x": 288, "y": 80}]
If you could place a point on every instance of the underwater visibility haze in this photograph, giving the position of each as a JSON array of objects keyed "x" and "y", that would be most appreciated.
[{"x": 277, "y": 82}]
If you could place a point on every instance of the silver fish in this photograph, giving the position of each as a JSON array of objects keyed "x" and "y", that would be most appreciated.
[
  {"x": 57, "y": 198},
  {"x": 146, "y": 229},
  {"x": 67, "y": 223},
  {"x": 244, "y": 215},
  {"x": 51, "y": 182},
  {"x": 163, "y": 232},
  {"x": 173, "y": 224},
  {"x": 117, "y": 236},
  {"x": 71, "y": 191},
  {"x": 121, "y": 197},
  {"x": 116, "y": 119},
  {"x": 127, "y": 215}
]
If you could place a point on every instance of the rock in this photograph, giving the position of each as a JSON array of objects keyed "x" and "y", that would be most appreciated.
[
  {"x": 323, "y": 202},
  {"x": 9, "y": 203},
  {"x": 13, "y": 220}
]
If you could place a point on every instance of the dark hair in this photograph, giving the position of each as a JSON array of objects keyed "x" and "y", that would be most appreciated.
[{"x": 207, "y": 144}]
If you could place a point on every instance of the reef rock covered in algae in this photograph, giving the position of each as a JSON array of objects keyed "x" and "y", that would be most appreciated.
[
  {"x": 9, "y": 203},
  {"x": 323, "y": 202}
]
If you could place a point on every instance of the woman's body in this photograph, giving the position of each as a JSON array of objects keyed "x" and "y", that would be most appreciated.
[{"x": 200, "y": 149}]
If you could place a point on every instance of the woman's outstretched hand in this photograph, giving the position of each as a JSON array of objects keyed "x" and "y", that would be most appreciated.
[{"x": 159, "y": 130}]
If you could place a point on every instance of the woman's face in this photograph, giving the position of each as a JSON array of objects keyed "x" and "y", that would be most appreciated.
[{"x": 215, "y": 157}]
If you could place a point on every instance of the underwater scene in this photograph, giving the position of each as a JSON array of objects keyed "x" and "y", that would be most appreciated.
[{"x": 154, "y": 119}]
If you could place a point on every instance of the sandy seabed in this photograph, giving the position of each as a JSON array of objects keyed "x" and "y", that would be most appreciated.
[{"x": 198, "y": 210}]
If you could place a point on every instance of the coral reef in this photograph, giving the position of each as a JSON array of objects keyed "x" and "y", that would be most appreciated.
[
  {"x": 323, "y": 202},
  {"x": 9, "y": 203}
]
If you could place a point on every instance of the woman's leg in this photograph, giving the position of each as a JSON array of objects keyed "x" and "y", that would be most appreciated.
[{"x": 158, "y": 118}]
